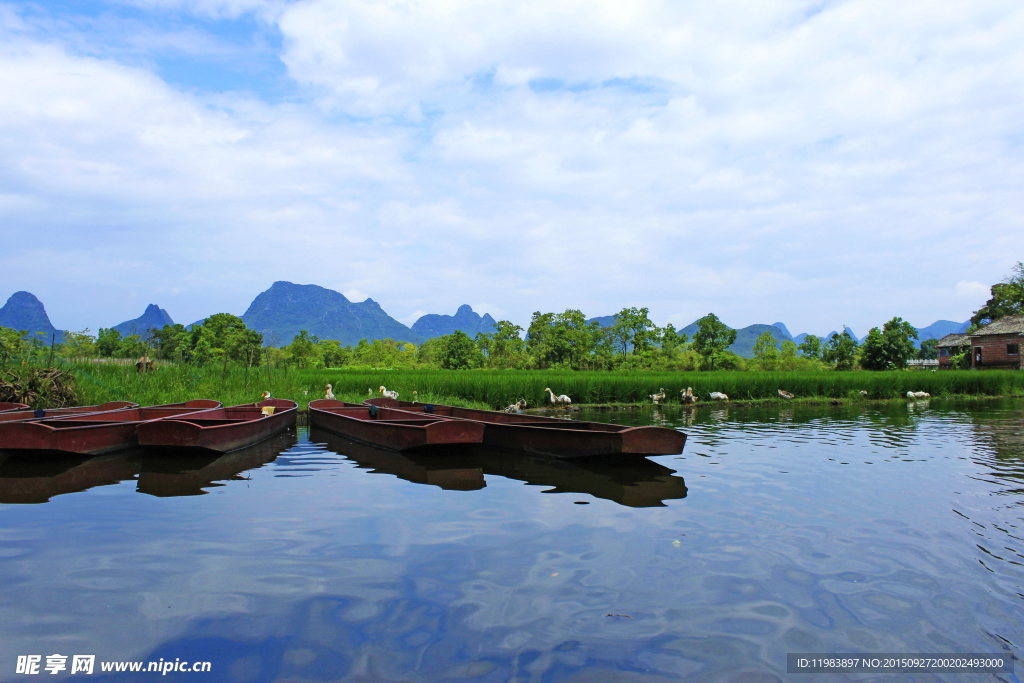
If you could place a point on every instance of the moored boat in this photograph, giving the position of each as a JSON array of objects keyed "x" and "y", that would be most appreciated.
[
  {"x": 554, "y": 437},
  {"x": 89, "y": 433},
  {"x": 6, "y": 407},
  {"x": 396, "y": 430},
  {"x": 27, "y": 413},
  {"x": 220, "y": 430}
]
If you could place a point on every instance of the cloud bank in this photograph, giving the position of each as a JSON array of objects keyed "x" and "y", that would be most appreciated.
[{"x": 818, "y": 163}]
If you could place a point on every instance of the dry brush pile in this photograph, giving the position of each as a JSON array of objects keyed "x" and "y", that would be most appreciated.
[{"x": 39, "y": 387}]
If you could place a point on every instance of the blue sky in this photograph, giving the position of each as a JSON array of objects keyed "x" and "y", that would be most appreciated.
[{"x": 818, "y": 164}]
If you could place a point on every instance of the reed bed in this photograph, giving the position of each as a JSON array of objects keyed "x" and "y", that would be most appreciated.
[{"x": 497, "y": 388}]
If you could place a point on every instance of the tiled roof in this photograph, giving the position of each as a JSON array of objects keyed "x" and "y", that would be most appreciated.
[
  {"x": 955, "y": 340},
  {"x": 1008, "y": 325}
]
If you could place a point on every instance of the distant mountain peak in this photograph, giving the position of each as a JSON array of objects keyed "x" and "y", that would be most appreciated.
[
  {"x": 154, "y": 318},
  {"x": 782, "y": 326},
  {"x": 23, "y": 311},
  {"x": 285, "y": 309},
  {"x": 465, "y": 320}
]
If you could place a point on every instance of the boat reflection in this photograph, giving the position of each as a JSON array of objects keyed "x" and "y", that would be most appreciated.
[
  {"x": 185, "y": 473},
  {"x": 453, "y": 470},
  {"x": 37, "y": 480},
  {"x": 632, "y": 482}
]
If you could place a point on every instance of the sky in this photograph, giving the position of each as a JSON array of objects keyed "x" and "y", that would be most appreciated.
[{"x": 814, "y": 163}]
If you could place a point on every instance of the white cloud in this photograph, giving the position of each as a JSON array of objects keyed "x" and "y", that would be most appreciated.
[
  {"x": 765, "y": 162},
  {"x": 974, "y": 291}
]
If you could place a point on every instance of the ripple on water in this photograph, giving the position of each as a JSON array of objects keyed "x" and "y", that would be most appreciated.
[{"x": 772, "y": 533}]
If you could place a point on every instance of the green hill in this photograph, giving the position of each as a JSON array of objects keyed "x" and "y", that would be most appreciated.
[
  {"x": 23, "y": 311},
  {"x": 286, "y": 308}
]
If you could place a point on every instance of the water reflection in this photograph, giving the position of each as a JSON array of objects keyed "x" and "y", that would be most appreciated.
[
  {"x": 631, "y": 482},
  {"x": 166, "y": 474},
  {"x": 812, "y": 528},
  {"x": 37, "y": 480}
]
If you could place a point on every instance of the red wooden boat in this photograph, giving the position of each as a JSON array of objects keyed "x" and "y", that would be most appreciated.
[
  {"x": 7, "y": 407},
  {"x": 221, "y": 430},
  {"x": 89, "y": 433},
  {"x": 555, "y": 437},
  {"x": 29, "y": 414},
  {"x": 396, "y": 430}
]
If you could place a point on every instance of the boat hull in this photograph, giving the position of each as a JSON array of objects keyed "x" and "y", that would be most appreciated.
[
  {"x": 221, "y": 430},
  {"x": 88, "y": 433},
  {"x": 559, "y": 438},
  {"x": 394, "y": 430}
]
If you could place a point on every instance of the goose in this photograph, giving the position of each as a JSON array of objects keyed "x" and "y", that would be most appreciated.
[
  {"x": 330, "y": 394},
  {"x": 718, "y": 396},
  {"x": 658, "y": 397},
  {"x": 785, "y": 394},
  {"x": 560, "y": 401},
  {"x": 863, "y": 393},
  {"x": 516, "y": 407},
  {"x": 918, "y": 394},
  {"x": 687, "y": 395},
  {"x": 388, "y": 394}
]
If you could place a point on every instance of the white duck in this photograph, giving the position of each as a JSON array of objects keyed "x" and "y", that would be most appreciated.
[
  {"x": 658, "y": 397},
  {"x": 415, "y": 397},
  {"x": 266, "y": 395},
  {"x": 687, "y": 395},
  {"x": 558, "y": 401},
  {"x": 918, "y": 394},
  {"x": 330, "y": 394},
  {"x": 785, "y": 394},
  {"x": 388, "y": 394},
  {"x": 718, "y": 396}
]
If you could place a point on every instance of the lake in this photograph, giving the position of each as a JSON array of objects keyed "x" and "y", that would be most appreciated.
[{"x": 879, "y": 529}]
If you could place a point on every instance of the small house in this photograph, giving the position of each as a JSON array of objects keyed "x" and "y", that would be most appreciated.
[
  {"x": 997, "y": 345},
  {"x": 951, "y": 345}
]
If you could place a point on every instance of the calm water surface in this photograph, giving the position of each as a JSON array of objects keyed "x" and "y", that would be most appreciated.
[{"x": 311, "y": 558}]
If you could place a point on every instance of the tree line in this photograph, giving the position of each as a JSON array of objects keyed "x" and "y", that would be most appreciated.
[{"x": 552, "y": 340}]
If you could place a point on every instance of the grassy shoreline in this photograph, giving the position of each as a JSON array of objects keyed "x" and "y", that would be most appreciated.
[{"x": 496, "y": 389}]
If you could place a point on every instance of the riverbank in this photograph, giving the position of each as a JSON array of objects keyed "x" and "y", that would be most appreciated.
[{"x": 497, "y": 389}]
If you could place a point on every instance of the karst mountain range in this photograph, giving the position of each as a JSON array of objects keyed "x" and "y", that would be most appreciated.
[{"x": 285, "y": 308}]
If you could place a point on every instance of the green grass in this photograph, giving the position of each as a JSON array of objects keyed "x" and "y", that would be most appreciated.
[{"x": 496, "y": 389}]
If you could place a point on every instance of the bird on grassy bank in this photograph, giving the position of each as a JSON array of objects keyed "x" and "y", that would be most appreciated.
[
  {"x": 863, "y": 394},
  {"x": 516, "y": 407},
  {"x": 718, "y": 396},
  {"x": 785, "y": 394},
  {"x": 658, "y": 397},
  {"x": 558, "y": 401},
  {"x": 415, "y": 397},
  {"x": 918, "y": 394},
  {"x": 369, "y": 392},
  {"x": 687, "y": 396},
  {"x": 388, "y": 394},
  {"x": 330, "y": 394},
  {"x": 265, "y": 396}
]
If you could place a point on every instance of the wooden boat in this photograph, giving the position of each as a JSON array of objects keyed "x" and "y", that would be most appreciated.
[
  {"x": 6, "y": 407},
  {"x": 396, "y": 430},
  {"x": 28, "y": 414},
  {"x": 554, "y": 437},
  {"x": 220, "y": 430},
  {"x": 89, "y": 433}
]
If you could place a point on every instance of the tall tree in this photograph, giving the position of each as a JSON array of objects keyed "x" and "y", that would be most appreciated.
[
  {"x": 713, "y": 336},
  {"x": 766, "y": 352},
  {"x": 840, "y": 350},
  {"x": 929, "y": 349},
  {"x": 811, "y": 346},
  {"x": 890, "y": 347},
  {"x": 1007, "y": 298}
]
